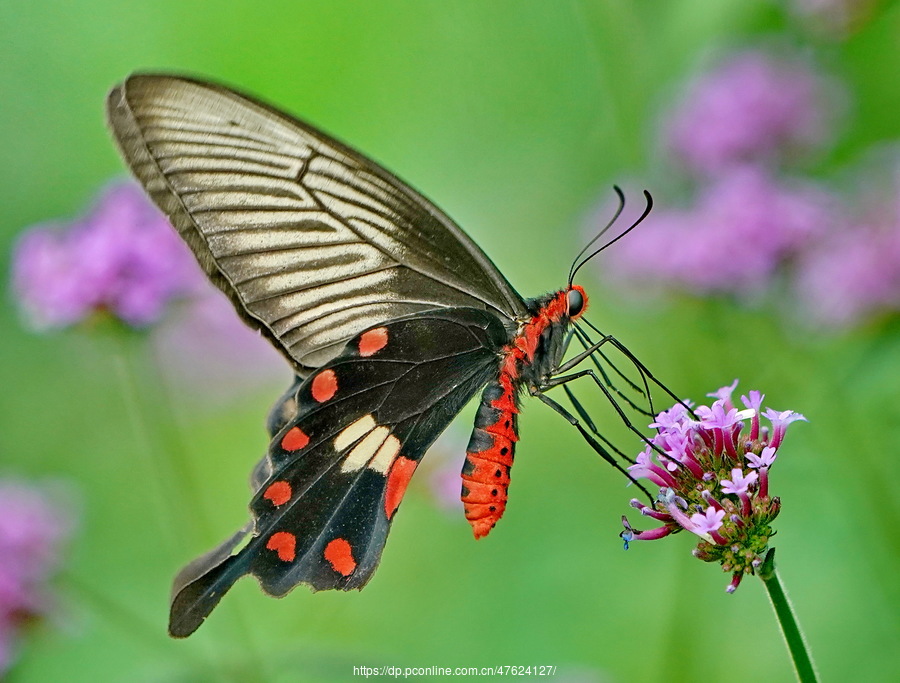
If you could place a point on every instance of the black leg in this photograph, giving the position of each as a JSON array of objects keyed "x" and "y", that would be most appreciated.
[
  {"x": 645, "y": 372},
  {"x": 587, "y": 353},
  {"x": 592, "y": 442},
  {"x": 583, "y": 414},
  {"x": 558, "y": 381},
  {"x": 585, "y": 341}
]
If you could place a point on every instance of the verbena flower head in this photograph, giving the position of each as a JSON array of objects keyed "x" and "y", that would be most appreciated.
[
  {"x": 123, "y": 258},
  {"x": 754, "y": 106},
  {"x": 712, "y": 466},
  {"x": 32, "y": 530}
]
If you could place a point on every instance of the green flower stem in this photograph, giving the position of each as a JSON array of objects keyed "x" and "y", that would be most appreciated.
[
  {"x": 790, "y": 628},
  {"x": 144, "y": 443},
  {"x": 148, "y": 401},
  {"x": 149, "y": 404}
]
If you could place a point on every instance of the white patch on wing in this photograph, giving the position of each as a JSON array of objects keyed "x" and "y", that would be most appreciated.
[
  {"x": 385, "y": 455},
  {"x": 354, "y": 432},
  {"x": 366, "y": 449}
]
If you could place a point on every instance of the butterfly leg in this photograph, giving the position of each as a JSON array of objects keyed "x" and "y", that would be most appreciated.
[
  {"x": 564, "y": 379},
  {"x": 644, "y": 404},
  {"x": 590, "y": 349},
  {"x": 584, "y": 355},
  {"x": 646, "y": 376},
  {"x": 586, "y": 419},
  {"x": 592, "y": 442}
]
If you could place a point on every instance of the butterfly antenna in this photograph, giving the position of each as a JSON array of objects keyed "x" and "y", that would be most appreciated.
[
  {"x": 600, "y": 234},
  {"x": 615, "y": 239}
]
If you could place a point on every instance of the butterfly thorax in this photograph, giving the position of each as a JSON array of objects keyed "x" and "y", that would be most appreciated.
[
  {"x": 539, "y": 343},
  {"x": 532, "y": 354}
]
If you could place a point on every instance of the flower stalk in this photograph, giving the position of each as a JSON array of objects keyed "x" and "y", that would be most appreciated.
[{"x": 790, "y": 627}]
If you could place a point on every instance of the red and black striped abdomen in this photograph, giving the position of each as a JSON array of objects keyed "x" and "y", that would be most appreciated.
[{"x": 489, "y": 455}]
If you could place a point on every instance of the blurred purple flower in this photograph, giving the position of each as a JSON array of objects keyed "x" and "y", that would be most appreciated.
[
  {"x": 32, "y": 530},
  {"x": 855, "y": 271},
  {"x": 442, "y": 470},
  {"x": 753, "y": 107},
  {"x": 206, "y": 349},
  {"x": 444, "y": 483},
  {"x": 744, "y": 225},
  {"x": 123, "y": 258}
]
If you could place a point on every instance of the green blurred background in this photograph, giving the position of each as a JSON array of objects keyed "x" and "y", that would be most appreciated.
[{"x": 516, "y": 117}]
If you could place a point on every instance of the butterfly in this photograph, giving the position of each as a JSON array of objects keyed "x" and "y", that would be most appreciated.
[{"x": 390, "y": 316}]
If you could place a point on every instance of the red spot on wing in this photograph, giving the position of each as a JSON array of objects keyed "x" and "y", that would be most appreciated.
[
  {"x": 373, "y": 341},
  {"x": 294, "y": 440},
  {"x": 340, "y": 556},
  {"x": 398, "y": 479},
  {"x": 324, "y": 386},
  {"x": 283, "y": 543},
  {"x": 279, "y": 492}
]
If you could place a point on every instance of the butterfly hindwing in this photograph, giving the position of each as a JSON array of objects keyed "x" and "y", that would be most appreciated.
[{"x": 336, "y": 471}]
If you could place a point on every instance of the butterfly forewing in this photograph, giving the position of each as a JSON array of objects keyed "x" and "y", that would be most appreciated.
[
  {"x": 337, "y": 470},
  {"x": 312, "y": 241}
]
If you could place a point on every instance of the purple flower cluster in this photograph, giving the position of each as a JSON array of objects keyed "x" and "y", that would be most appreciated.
[
  {"x": 743, "y": 226},
  {"x": 749, "y": 227},
  {"x": 123, "y": 258},
  {"x": 32, "y": 530},
  {"x": 752, "y": 108},
  {"x": 853, "y": 272},
  {"x": 712, "y": 466}
]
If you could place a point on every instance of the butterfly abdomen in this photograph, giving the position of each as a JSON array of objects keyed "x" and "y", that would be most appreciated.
[
  {"x": 489, "y": 455},
  {"x": 534, "y": 351}
]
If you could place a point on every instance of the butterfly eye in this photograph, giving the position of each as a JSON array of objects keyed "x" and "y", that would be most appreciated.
[{"x": 575, "y": 302}]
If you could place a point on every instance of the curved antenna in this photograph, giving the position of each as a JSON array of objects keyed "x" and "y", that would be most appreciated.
[
  {"x": 600, "y": 234},
  {"x": 615, "y": 239}
]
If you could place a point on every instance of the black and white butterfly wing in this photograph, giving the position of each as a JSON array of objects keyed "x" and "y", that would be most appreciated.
[
  {"x": 312, "y": 241},
  {"x": 336, "y": 472}
]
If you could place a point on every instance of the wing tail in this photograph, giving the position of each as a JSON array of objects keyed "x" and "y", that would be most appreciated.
[{"x": 200, "y": 585}]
